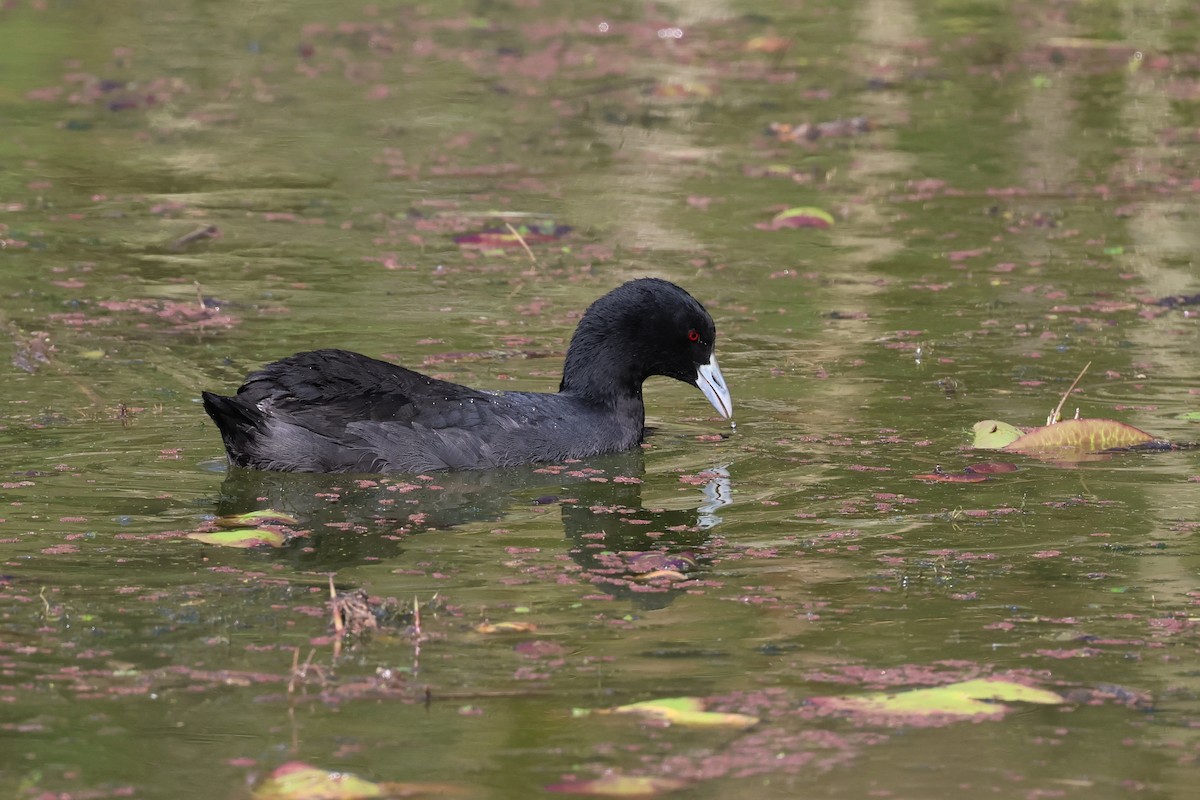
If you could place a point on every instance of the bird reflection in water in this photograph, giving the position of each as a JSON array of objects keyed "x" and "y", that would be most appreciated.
[{"x": 623, "y": 547}]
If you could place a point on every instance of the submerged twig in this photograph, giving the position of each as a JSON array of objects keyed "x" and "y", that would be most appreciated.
[
  {"x": 521, "y": 239},
  {"x": 339, "y": 625},
  {"x": 301, "y": 671},
  {"x": 295, "y": 670},
  {"x": 339, "y": 622},
  {"x": 47, "y": 609},
  {"x": 205, "y": 232}
]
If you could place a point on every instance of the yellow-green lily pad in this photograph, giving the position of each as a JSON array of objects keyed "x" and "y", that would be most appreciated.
[
  {"x": 981, "y": 697},
  {"x": 241, "y": 537},
  {"x": 618, "y": 785},
  {"x": 992, "y": 434},
  {"x": 801, "y": 217},
  {"x": 299, "y": 781},
  {"x": 686, "y": 711}
]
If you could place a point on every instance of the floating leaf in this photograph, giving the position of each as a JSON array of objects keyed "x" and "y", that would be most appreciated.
[
  {"x": 241, "y": 537},
  {"x": 1190, "y": 416},
  {"x": 767, "y": 44},
  {"x": 660, "y": 575},
  {"x": 686, "y": 711},
  {"x": 505, "y": 627},
  {"x": 653, "y": 561},
  {"x": 617, "y": 785},
  {"x": 299, "y": 781},
  {"x": 1078, "y": 435},
  {"x": 801, "y": 217},
  {"x": 951, "y": 477},
  {"x": 972, "y": 473},
  {"x": 992, "y": 434},
  {"x": 296, "y": 780},
  {"x": 806, "y": 132},
  {"x": 982, "y": 697},
  {"x": 682, "y": 88},
  {"x": 1175, "y": 300},
  {"x": 991, "y": 467},
  {"x": 517, "y": 236},
  {"x": 1079, "y": 43},
  {"x": 263, "y": 515}
]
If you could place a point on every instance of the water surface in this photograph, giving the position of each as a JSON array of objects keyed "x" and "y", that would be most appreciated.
[{"x": 188, "y": 191}]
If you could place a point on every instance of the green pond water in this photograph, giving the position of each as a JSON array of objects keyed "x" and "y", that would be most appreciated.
[{"x": 189, "y": 190}]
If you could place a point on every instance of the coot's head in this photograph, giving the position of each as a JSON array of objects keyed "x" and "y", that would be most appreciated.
[{"x": 642, "y": 328}]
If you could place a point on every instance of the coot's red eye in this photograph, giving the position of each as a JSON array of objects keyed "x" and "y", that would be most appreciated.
[{"x": 693, "y": 336}]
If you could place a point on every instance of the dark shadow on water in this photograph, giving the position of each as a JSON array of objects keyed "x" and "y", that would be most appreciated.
[{"x": 621, "y": 545}]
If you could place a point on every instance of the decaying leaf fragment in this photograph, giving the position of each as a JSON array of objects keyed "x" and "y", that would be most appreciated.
[{"x": 1072, "y": 435}]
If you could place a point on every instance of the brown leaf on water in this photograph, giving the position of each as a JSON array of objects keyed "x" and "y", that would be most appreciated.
[
  {"x": 990, "y": 467},
  {"x": 951, "y": 477},
  {"x": 1081, "y": 436},
  {"x": 767, "y": 44},
  {"x": 972, "y": 473},
  {"x": 674, "y": 88},
  {"x": 198, "y": 235}
]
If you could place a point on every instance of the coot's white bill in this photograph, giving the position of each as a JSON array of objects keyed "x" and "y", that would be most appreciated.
[{"x": 712, "y": 383}]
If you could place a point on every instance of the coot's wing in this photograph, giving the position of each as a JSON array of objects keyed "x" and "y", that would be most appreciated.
[
  {"x": 333, "y": 410},
  {"x": 337, "y": 387}
]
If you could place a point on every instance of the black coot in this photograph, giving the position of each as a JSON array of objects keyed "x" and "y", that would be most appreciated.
[{"x": 336, "y": 411}]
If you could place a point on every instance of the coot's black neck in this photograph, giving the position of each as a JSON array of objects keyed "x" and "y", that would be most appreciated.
[{"x": 602, "y": 370}]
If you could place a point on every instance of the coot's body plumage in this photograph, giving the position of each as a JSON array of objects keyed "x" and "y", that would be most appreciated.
[{"x": 337, "y": 411}]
